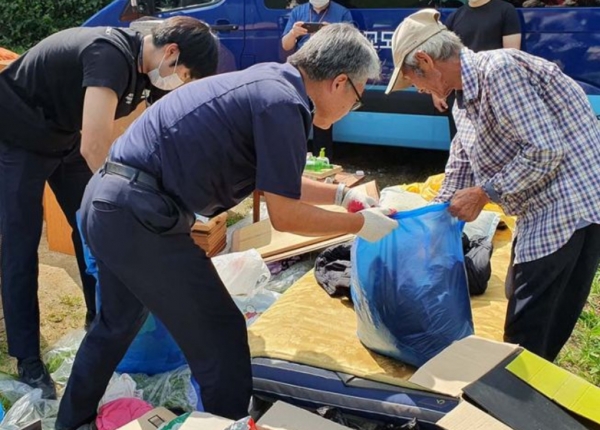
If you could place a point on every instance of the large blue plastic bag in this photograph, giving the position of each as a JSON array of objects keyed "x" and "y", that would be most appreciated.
[{"x": 410, "y": 288}]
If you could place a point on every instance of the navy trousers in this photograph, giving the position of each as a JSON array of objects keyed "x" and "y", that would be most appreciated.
[
  {"x": 22, "y": 178},
  {"x": 148, "y": 261},
  {"x": 546, "y": 296}
]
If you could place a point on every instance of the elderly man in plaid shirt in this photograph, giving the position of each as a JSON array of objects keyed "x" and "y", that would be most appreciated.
[{"x": 528, "y": 140}]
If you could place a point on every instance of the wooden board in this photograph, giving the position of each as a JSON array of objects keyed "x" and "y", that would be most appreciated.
[
  {"x": 274, "y": 245},
  {"x": 323, "y": 173},
  {"x": 310, "y": 248},
  {"x": 256, "y": 235},
  {"x": 211, "y": 224}
]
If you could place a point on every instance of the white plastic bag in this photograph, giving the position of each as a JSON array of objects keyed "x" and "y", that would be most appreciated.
[
  {"x": 243, "y": 273},
  {"x": 120, "y": 387}
]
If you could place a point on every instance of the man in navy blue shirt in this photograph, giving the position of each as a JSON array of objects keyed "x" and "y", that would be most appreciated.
[{"x": 203, "y": 149}]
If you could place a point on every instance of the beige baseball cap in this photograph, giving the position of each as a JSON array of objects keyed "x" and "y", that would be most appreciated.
[{"x": 413, "y": 31}]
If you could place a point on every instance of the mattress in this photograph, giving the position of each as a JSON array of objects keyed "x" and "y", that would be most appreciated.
[{"x": 305, "y": 350}]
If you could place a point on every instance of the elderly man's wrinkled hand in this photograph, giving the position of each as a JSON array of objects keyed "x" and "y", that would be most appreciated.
[{"x": 467, "y": 204}]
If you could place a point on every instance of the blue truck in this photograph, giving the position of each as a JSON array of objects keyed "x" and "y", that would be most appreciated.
[{"x": 251, "y": 31}]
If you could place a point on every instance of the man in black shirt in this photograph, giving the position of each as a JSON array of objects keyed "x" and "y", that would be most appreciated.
[
  {"x": 59, "y": 103},
  {"x": 483, "y": 25}
]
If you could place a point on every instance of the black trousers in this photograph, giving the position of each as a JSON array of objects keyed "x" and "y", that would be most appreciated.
[
  {"x": 22, "y": 178},
  {"x": 546, "y": 296},
  {"x": 148, "y": 261}
]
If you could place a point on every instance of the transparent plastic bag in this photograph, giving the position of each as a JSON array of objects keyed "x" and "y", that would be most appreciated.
[
  {"x": 172, "y": 390},
  {"x": 29, "y": 408},
  {"x": 286, "y": 278},
  {"x": 12, "y": 390},
  {"x": 60, "y": 358}
]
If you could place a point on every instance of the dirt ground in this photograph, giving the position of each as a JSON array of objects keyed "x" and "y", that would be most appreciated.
[{"x": 61, "y": 301}]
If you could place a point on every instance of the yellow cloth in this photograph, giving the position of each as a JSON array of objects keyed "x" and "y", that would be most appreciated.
[
  {"x": 430, "y": 188},
  {"x": 566, "y": 389},
  {"x": 307, "y": 326}
]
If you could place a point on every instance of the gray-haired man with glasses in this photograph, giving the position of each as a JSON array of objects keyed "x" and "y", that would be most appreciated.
[{"x": 203, "y": 149}]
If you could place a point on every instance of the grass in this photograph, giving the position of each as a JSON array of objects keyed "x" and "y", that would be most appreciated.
[{"x": 582, "y": 354}]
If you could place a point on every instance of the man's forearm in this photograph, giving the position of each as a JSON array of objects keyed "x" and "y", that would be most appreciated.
[
  {"x": 318, "y": 193},
  {"x": 95, "y": 152},
  {"x": 288, "y": 42}
]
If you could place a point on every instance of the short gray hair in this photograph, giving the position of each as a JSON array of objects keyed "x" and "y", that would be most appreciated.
[
  {"x": 337, "y": 49},
  {"x": 440, "y": 47}
]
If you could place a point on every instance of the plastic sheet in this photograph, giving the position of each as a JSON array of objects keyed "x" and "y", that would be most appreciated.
[
  {"x": 12, "y": 390},
  {"x": 62, "y": 355},
  {"x": 286, "y": 278},
  {"x": 29, "y": 408},
  {"x": 172, "y": 390},
  {"x": 410, "y": 288}
]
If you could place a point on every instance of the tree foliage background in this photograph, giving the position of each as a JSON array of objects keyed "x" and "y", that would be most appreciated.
[{"x": 23, "y": 23}]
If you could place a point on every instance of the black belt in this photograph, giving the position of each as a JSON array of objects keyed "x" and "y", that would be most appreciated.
[{"x": 131, "y": 173}]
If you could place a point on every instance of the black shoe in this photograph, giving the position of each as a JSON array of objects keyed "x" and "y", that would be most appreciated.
[
  {"x": 89, "y": 319},
  {"x": 34, "y": 373}
]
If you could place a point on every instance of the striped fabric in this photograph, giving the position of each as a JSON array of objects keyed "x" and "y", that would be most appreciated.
[{"x": 528, "y": 135}]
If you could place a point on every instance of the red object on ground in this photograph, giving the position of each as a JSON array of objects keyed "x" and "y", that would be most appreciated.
[{"x": 117, "y": 413}]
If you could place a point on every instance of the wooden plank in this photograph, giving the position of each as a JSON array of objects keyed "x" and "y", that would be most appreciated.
[
  {"x": 323, "y": 173},
  {"x": 310, "y": 248},
  {"x": 349, "y": 179},
  {"x": 211, "y": 224},
  {"x": 256, "y": 235},
  {"x": 273, "y": 244}
]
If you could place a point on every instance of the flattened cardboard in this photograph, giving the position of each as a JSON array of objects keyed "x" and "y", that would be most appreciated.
[
  {"x": 151, "y": 420},
  {"x": 205, "y": 421},
  {"x": 566, "y": 389},
  {"x": 461, "y": 363},
  {"x": 283, "y": 416},
  {"x": 510, "y": 400},
  {"x": 468, "y": 417}
]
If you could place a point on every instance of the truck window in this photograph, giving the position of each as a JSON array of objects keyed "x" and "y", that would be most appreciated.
[
  {"x": 167, "y": 5},
  {"x": 362, "y": 4}
]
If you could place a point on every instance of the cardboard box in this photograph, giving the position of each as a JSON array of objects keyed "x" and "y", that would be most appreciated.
[
  {"x": 283, "y": 416},
  {"x": 151, "y": 420},
  {"x": 512, "y": 388},
  {"x": 205, "y": 421}
]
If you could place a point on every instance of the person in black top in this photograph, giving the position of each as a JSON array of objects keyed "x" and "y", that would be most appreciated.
[
  {"x": 59, "y": 103},
  {"x": 483, "y": 25}
]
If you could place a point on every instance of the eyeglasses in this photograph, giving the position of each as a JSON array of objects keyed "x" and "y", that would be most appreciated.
[{"x": 358, "y": 104}]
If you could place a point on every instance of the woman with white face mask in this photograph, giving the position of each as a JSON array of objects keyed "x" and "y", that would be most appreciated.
[{"x": 306, "y": 19}]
